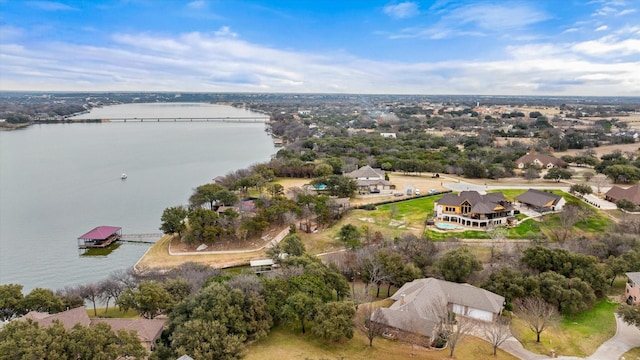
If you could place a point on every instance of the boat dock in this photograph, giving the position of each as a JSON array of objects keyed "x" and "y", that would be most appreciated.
[
  {"x": 103, "y": 236},
  {"x": 100, "y": 237}
]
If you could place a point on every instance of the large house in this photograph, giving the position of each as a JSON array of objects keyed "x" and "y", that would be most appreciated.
[
  {"x": 469, "y": 208},
  {"x": 541, "y": 201},
  {"x": 632, "y": 289},
  {"x": 539, "y": 160},
  {"x": 617, "y": 193},
  {"x": 147, "y": 330},
  {"x": 416, "y": 306},
  {"x": 370, "y": 179}
]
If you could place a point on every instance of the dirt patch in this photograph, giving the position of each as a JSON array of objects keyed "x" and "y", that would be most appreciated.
[{"x": 224, "y": 244}]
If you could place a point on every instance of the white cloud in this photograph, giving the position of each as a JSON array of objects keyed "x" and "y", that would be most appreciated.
[
  {"x": 497, "y": 17},
  {"x": 602, "y": 28},
  {"x": 626, "y": 12},
  {"x": 402, "y": 10},
  {"x": 477, "y": 19},
  {"x": 207, "y": 62},
  {"x": 225, "y": 31},
  {"x": 50, "y": 6},
  {"x": 197, "y": 4},
  {"x": 608, "y": 47}
]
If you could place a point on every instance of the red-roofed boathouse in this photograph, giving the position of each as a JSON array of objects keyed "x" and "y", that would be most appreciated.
[{"x": 101, "y": 236}]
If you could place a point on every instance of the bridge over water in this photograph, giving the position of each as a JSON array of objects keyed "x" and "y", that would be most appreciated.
[{"x": 229, "y": 119}]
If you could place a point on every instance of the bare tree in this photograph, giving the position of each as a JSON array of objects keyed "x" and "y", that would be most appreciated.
[
  {"x": 91, "y": 292},
  {"x": 496, "y": 332},
  {"x": 458, "y": 329},
  {"x": 600, "y": 181},
  {"x": 127, "y": 277},
  {"x": 537, "y": 313},
  {"x": 370, "y": 321},
  {"x": 569, "y": 216},
  {"x": 110, "y": 289},
  {"x": 449, "y": 325}
]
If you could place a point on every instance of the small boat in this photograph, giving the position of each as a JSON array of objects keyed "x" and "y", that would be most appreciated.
[{"x": 123, "y": 176}]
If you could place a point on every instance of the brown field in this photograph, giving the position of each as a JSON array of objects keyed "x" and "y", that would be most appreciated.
[
  {"x": 290, "y": 344},
  {"x": 602, "y": 150}
]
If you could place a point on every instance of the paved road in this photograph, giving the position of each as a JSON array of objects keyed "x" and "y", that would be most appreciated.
[{"x": 626, "y": 338}]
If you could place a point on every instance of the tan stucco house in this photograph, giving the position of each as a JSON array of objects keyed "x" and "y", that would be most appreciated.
[{"x": 632, "y": 289}]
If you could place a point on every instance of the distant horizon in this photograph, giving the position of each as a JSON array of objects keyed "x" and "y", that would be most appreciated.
[{"x": 304, "y": 93}]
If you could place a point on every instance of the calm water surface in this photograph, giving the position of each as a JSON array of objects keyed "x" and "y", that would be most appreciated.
[{"x": 58, "y": 181}]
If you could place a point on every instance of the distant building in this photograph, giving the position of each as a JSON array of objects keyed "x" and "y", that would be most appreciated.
[
  {"x": 540, "y": 160},
  {"x": 304, "y": 112},
  {"x": 617, "y": 193},
  {"x": 388, "y": 135}
]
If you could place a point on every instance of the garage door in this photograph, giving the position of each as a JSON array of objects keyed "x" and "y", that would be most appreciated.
[
  {"x": 480, "y": 314},
  {"x": 458, "y": 309}
]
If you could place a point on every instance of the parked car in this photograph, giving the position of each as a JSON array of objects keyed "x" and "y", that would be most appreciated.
[
  {"x": 417, "y": 191},
  {"x": 433, "y": 191},
  {"x": 409, "y": 191},
  {"x": 398, "y": 194},
  {"x": 375, "y": 191}
]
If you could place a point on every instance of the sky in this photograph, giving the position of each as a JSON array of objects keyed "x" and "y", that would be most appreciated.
[{"x": 499, "y": 47}]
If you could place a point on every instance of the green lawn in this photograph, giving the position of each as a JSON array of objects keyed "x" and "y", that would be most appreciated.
[
  {"x": 114, "y": 312},
  {"x": 633, "y": 354},
  {"x": 579, "y": 335}
]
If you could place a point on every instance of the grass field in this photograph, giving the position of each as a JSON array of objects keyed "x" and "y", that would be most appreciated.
[
  {"x": 578, "y": 335},
  {"x": 283, "y": 343},
  {"x": 633, "y": 354},
  {"x": 114, "y": 312}
]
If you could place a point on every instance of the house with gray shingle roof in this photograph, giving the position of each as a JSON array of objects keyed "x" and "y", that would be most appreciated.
[
  {"x": 470, "y": 208},
  {"x": 415, "y": 308},
  {"x": 541, "y": 201},
  {"x": 369, "y": 179}
]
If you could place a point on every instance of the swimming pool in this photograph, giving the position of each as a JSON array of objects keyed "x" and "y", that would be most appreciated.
[{"x": 444, "y": 226}]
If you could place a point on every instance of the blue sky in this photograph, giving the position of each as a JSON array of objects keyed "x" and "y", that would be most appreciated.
[{"x": 520, "y": 47}]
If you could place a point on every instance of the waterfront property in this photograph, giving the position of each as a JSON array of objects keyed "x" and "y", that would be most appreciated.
[
  {"x": 147, "y": 330},
  {"x": 469, "y": 208},
  {"x": 100, "y": 237}
]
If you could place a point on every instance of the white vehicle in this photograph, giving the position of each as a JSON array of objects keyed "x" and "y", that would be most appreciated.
[{"x": 417, "y": 191}]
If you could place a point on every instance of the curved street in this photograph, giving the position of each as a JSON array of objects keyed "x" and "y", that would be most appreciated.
[{"x": 627, "y": 337}]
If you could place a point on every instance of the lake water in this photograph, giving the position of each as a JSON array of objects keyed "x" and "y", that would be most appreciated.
[{"x": 58, "y": 181}]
